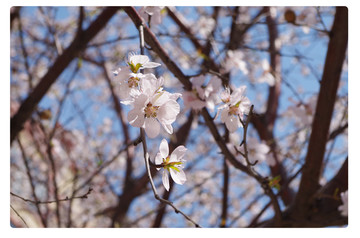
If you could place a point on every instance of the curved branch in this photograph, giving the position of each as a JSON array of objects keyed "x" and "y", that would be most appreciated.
[{"x": 78, "y": 44}]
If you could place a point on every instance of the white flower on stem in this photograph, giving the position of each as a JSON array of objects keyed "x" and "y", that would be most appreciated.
[
  {"x": 202, "y": 96},
  {"x": 172, "y": 164},
  {"x": 236, "y": 105},
  {"x": 153, "y": 13},
  {"x": 153, "y": 106},
  {"x": 129, "y": 75},
  {"x": 343, "y": 209},
  {"x": 136, "y": 62}
]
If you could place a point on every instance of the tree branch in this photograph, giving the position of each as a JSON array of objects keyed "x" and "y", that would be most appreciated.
[
  {"x": 36, "y": 202},
  {"x": 60, "y": 64},
  {"x": 323, "y": 114}
]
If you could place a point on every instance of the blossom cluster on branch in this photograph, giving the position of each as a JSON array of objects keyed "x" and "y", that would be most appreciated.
[{"x": 153, "y": 106}]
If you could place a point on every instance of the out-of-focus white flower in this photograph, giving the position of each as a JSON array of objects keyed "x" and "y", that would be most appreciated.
[
  {"x": 201, "y": 95},
  {"x": 236, "y": 105},
  {"x": 266, "y": 76},
  {"x": 235, "y": 60},
  {"x": 204, "y": 26},
  {"x": 257, "y": 151},
  {"x": 172, "y": 164},
  {"x": 302, "y": 113},
  {"x": 153, "y": 13},
  {"x": 343, "y": 209},
  {"x": 153, "y": 106}
]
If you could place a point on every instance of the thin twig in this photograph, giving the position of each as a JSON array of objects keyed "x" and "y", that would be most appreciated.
[
  {"x": 146, "y": 154},
  {"x": 58, "y": 200},
  {"x": 262, "y": 180},
  {"x": 19, "y": 216}
]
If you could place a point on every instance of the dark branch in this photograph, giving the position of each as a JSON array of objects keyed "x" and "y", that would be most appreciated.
[
  {"x": 323, "y": 114},
  {"x": 78, "y": 44},
  {"x": 84, "y": 196}
]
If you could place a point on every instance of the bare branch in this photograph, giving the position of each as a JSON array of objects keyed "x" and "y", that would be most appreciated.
[
  {"x": 84, "y": 196},
  {"x": 323, "y": 114},
  {"x": 19, "y": 216},
  {"x": 58, "y": 67}
]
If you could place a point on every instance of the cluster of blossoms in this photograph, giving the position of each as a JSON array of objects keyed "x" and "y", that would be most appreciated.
[
  {"x": 202, "y": 96},
  {"x": 151, "y": 107},
  {"x": 236, "y": 105}
]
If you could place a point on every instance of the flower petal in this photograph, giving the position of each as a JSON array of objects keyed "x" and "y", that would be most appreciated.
[
  {"x": 165, "y": 180},
  {"x": 150, "y": 65},
  {"x": 135, "y": 118},
  {"x": 152, "y": 127},
  {"x": 178, "y": 153},
  {"x": 164, "y": 149},
  {"x": 168, "y": 128},
  {"x": 158, "y": 159},
  {"x": 167, "y": 113},
  {"x": 139, "y": 59},
  {"x": 232, "y": 123},
  {"x": 178, "y": 177},
  {"x": 141, "y": 101},
  {"x": 224, "y": 115}
]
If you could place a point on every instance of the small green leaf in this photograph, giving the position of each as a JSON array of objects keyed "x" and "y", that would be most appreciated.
[
  {"x": 79, "y": 63},
  {"x": 163, "y": 11},
  {"x": 203, "y": 56},
  {"x": 174, "y": 168},
  {"x": 275, "y": 182},
  {"x": 135, "y": 68},
  {"x": 238, "y": 104}
]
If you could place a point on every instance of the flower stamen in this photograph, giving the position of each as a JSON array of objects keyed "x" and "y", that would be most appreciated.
[{"x": 150, "y": 110}]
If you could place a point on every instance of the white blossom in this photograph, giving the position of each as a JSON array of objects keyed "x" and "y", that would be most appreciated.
[
  {"x": 236, "y": 105},
  {"x": 235, "y": 60},
  {"x": 172, "y": 164},
  {"x": 204, "y": 26},
  {"x": 129, "y": 76},
  {"x": 202, "y": 96},
  {"x": 343, "y": 209},
  {"x": 266, "y": 76},
  {"x": 257, "y": 151},
  {"x": 153, "y": 107},
  {"x": 153, "y": 13}
]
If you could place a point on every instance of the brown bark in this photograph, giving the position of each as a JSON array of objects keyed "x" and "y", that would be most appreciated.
[
  {"x": 323, "y": 114},
  {"x": 78, "y": 44}
]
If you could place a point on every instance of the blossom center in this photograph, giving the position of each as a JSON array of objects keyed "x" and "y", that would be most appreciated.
[
  {"x": 252, "y": 151},
  {"x": 225, "y": 99},
  {"x": 133, "y": 82},
  {"x": 150, "y": 110},
  {"x": 233, "y": 110},
  {"x": 170, "y": 165}
]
